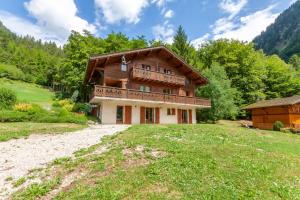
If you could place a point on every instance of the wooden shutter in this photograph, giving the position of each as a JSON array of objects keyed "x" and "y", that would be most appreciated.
[
  {"x": 142, "y": 115},
  {"x": 128, "y": 114},
  {"x": 190, "y": 116},
  {"x": 179, "y": 116},
  {"x": 173, "y": 111},
  {"x": 157, "y": 115}
]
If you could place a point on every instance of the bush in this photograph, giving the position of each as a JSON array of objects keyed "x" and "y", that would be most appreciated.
[
  {"x": 11, "y": 72},
  {"x": 82, "y": 108},
  {"x": 37, "y": 114},
  {"x": 277, "y": 126},
  {"x": 7, "y": 98}
]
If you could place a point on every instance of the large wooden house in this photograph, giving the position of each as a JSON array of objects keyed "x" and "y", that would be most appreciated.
[
  {"x": 286, "y": 110},
  {"x": 151, "y": 85}
]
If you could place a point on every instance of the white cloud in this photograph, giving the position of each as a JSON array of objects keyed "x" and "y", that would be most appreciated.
[
  {"x": 160, "y": 3},
  {"x": 169, "y": 14},
  {"x": 24, "y": 27},
  {"x": 58, "y": 17},
  {"x": 249, "y": 26},
  {"x": 197, "y": 43},
  {"x": 222, "y": 25},
  {"x": 164, "y": 32},
  {"x": 232, "y": 7},
  {"x": 115, "y": 11}
]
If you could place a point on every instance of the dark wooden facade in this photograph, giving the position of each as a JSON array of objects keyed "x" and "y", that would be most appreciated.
[{"x": 151, "y": 75}]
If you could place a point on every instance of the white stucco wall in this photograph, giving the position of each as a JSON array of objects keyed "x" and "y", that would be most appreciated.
[{"x": 109, "y": 108}]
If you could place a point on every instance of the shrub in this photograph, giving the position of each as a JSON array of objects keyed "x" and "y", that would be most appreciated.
[
  {"x": 82, "y": 108},
  {"x": 7, "y": 98},
  {"x": 14, "y": 116},
  {"x": 67, "y": 104},
  {"x": 277, "y": 126},
  {"x": 11, "y": 72}
]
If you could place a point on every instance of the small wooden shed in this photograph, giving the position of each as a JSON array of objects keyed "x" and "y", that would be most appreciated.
[{"x": 286, "y": 110}]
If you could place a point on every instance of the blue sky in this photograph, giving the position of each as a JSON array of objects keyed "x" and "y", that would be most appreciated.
[{"x": 155, "y": 19}]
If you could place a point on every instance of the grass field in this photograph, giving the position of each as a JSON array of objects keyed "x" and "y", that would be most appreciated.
[
  {"x": 203, "y": 161},
  {"x": 22, "y": 129},
  {"x": 27, "y": 92}
]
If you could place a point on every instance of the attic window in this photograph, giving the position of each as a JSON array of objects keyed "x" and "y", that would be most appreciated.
[{"x": 123, "y": 64}]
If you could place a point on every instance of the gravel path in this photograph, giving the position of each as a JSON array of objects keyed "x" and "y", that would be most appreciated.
[{"x": 18, "y": 156}]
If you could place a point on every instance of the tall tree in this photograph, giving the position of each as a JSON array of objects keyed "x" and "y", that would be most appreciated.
[
  {"x": 181, "y": 45},
  {"x": 221, "y": 94}
]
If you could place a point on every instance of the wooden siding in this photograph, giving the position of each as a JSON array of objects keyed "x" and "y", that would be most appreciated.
[{"x": 264, "y": 118}]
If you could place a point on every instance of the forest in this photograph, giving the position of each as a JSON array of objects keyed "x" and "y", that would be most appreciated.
[{"x": 238, "y": 73}]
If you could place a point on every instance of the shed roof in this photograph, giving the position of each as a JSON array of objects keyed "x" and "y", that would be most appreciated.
[
  {"x": 275, "y": 102},
  {"x": 178, "y": 62}
]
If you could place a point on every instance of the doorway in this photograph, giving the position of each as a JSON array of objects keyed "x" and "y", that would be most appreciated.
[
  {"x": 149, "y": 116},
  {"x": 184, "y": 116},
  {"x": 119, "y": 116}
]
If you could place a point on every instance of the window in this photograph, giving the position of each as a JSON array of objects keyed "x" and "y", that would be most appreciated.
[
  {"x": 167, "y": 91},
  {"x": 144, "y": 88},
  {"x": 171, "y": 111},
  {"x": 146, "y": 67},
  {"x": 123, "y": 67},
  {"x": 167, "y": 71}
]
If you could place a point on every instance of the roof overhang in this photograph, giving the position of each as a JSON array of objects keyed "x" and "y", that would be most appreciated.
[{"x": 98, "y": 62}]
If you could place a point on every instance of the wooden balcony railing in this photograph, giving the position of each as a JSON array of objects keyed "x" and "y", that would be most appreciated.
[
  {"x": 142, "y": 74},
  {"x": 103, "y": 91}
]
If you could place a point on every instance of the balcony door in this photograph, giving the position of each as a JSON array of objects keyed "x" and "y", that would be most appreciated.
[
  {"x": 149, "y": 115},
  {"x": 124, "y": 118}
]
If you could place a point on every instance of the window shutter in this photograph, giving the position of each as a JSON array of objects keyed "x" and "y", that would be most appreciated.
[{"x": 142, "y": 115}]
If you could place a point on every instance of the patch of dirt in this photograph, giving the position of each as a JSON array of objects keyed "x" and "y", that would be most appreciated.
[{"x": 67, "y": 181}]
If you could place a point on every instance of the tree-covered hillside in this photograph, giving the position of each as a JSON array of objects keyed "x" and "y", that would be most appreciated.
[
  {"x": 282, "y": 37},
  {"x": 38, "y": 61}
]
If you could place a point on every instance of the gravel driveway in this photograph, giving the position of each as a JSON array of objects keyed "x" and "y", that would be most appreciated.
[{"x": 18, "y": 156}]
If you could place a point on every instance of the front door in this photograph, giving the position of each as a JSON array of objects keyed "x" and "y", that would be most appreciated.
[
  {"x": 149, "y": 115},
  {"x": 119, "y": 116}
]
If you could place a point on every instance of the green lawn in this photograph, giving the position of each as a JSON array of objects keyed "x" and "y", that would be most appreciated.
[
  {"x": 203, "y": 161},
  {"x": 22, "y": 129},
  {"x": 28, "y": 92}
]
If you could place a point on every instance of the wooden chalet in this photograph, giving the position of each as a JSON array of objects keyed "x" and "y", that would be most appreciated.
[
  {"x": 151, "y": 85},
  {"x": 286, "y": 110}
]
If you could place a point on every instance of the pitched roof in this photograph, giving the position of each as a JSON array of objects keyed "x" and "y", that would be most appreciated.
[
  {"x": 104, "y": 59},
  {"x": 275, "y": 102}
]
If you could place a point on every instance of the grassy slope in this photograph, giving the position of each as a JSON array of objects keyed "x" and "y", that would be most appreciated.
[
  {"x": 194, "y": 162},
  {"x": 22, "y": 129},
  {"x": 27, "y": 92}
]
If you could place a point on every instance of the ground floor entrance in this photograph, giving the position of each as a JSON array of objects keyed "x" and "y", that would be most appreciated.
[{"x": 113, "y": 112}]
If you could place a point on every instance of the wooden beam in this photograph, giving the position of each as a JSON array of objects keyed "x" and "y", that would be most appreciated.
[{"x": 93, "y": 70}]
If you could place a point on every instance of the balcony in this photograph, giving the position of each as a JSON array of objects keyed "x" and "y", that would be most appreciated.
[
  {"x": 111, "y": 92},
  {"x": 147, "y": 75}
]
